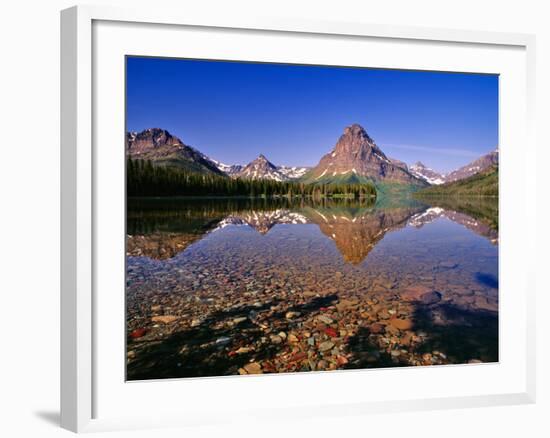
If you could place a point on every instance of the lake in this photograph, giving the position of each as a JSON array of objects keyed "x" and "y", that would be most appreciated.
[{"x": 246, "y": 286}]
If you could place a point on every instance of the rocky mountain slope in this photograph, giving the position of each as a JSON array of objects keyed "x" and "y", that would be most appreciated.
[
  {"x": 399, "y": 163},
  {"x": 356, "y": 157},
  {"x": 162, "y": 148},
  {"x": 477, "y": 166}
]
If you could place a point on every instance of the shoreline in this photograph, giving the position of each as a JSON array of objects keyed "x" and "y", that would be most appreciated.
[{"x": 184, "y": 197}]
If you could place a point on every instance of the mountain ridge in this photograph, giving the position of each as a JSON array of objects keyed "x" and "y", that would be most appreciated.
[
  {"x": 164, "y": 149},
  {"x": 355, "y": 158},
  {"x": 483, "y": 183},
  {"x": 478, "y": 165}
]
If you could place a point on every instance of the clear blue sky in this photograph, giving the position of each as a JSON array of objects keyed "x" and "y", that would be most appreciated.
[{"x": 294, "y": 114}]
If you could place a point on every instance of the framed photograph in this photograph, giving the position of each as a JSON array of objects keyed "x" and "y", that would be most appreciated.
[{"x": 253, "y": 208}]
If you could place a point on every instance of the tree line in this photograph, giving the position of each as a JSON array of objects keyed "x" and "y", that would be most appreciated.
[
  {"x": 145, "y": 179},
  {"x": 483, "y": 184}
]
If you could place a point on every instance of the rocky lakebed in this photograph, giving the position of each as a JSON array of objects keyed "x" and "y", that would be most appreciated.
[{"x": 218, "y": 287}]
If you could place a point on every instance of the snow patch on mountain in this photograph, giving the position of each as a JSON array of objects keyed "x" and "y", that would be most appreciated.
[
  {"x": 429, "y": 175},
  {"x": 262, "y": 168},
  {"x": 229, "y": 169},
  {"x": 292, "y": 172}
]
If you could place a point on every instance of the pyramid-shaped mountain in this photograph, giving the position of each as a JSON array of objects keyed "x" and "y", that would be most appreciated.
[
  {"x": 261, "y": 168},
  {"x": 357, "y": 158}
]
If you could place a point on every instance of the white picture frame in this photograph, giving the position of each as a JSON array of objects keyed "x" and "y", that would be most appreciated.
[{"x": 80, "y": 337}]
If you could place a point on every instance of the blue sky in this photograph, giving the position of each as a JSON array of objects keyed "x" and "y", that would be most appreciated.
[{"x": 292, "y": 114}]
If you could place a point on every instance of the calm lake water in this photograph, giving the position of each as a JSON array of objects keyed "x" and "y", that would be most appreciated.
[{"x": 227, "y": 286}]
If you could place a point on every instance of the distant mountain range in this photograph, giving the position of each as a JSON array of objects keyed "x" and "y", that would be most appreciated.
[
  {"x": 355, "y": 158},
  {"x": 435, "y": 178},
  {"x": 262, "y": 168},
  {"x": 482, "y": 183},
  {"x": 163, "y": 149},
  {"x": 429, "y": 175},
  {"x": 481, "y": 164}
]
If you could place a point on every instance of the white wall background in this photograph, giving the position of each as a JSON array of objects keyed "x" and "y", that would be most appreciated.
[{"x": 29, "y": 218}]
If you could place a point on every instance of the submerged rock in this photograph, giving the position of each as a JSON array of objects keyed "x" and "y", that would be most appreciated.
[
  {"x": 377, "y": 328},
  {"x": 430, "y": 298},
  {"x": 253, "y": 368},
  {"x": 138, "y": 333},
  {"x": 325, "y": 346},
  {"x": 164, "y": 319},
  {"x": 401, "y": 324},
  {"x": 325, "y": 319}
]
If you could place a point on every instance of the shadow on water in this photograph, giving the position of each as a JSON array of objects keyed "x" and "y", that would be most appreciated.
[
  {"x": 488, "y": 280},
  {"x": 461, "y": 334},
  {"x": 366, "y": 352},
  {"x": 203, "y": 351}
]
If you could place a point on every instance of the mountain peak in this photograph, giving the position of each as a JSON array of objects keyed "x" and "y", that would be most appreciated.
[
  {"x": 356, "y": 131},
  {"x": 151, "y": 139},
  {"x": 262, "y": 157},
  {"x": 356, "y": 157},
  {"x": 262, "y": 161},
  {"x": 156, "y": 131},
  {"x": 261, "y": 168},
  {"x": 355, "y": 141},
  {"x": 161, "y": 147}
]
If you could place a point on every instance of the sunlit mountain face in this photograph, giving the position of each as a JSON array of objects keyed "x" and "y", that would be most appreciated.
[{"x": 356, "y": 157}]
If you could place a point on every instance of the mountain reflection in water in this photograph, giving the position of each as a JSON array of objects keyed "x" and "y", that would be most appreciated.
[
  {"x": 161, "y": 229},
  {"x": 245, "y": 286}
]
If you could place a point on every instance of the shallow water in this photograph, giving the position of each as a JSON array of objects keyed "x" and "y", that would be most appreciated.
[{"x": 218, "y": 287}]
